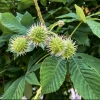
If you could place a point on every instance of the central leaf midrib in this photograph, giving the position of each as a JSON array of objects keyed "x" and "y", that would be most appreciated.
[
  {"x": 53, "y": 73},
  {"x": 17, "y": 87},
  {"x": 94, "y": 25},
  {"x": 83, "y": 76}
]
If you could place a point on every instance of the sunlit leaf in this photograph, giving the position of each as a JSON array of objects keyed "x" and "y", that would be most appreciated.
[{"x": 80, "y": 13}]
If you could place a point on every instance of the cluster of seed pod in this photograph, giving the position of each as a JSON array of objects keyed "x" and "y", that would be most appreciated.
[{"x": 39, "y": 35}]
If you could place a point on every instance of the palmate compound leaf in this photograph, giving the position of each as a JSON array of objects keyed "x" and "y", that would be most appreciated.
[
  {"x": 15, "y": 91},
  {"x": 86, "y": 80},
  {"x": 52, "y": 74},
  {"x": 9, "y": 21},
  {"x": 90, "y": 61},
  {"x": 95, "y": 27}
]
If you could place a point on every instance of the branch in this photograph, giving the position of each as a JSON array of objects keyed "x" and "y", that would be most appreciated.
[
  {"x": 95, "y": 8},
  {"x": 39, "y": 12}
]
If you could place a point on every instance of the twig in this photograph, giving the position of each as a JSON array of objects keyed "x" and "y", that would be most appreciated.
[
  {"x": 39, "y": 12},
  {"x": 38, "y": 93},
  {"x": 95, "y": 8},
  {"x": 75, "y": 29}
]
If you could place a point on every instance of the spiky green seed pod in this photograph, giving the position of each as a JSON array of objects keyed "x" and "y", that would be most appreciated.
[
  {"x": 37, "y": 34},
  {"x": 56, "y": 46},
  {"x": 19, "y": 44},
  {"x": 70, "y": 49}
]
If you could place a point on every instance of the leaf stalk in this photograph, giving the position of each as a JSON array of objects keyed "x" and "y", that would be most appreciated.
[
  {"x": 38, "y": 93},
  {"x": 75, "y": 29}
]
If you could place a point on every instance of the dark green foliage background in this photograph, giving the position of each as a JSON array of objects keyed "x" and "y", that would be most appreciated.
[{"x": 88, "y": 43}]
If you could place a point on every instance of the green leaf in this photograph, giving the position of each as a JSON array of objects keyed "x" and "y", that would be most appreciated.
[
  {"x": 4, "y": 29},
  {"x": 5, "y": 37},
  {"x": 13, "y": 69},
  {"x": 2, "y": 44},
  {"x": 68, "y": 20},
  {"x": 15, "y": 91},
  {"x": 1, "y": 90},
  {"x": 35, "y": 67},
  {"x": 85, "y": 79},
  {"x": 19, "y": 17},
  {"x": 27, "y": 20},
  {"x": 9, "y": 21},
  {"x": 90, "y": 61},
  {"x": 80, "y": 13},
  {"x": 2, "y": 69},
  {"x": 54, "y": 11},
  {"x": 11, "y": 74},
  {"x": 95, "y": 27},
  {"x": 52, "y": 74},
  {"x": 43, "y": 2},
  {"x": 89, "y": 16},
  {"x": 84, "y": 28},
  {"x": 23, "y": 4},
  {"x": 97, "y": 13},
  {"x": 69, "y": 15},
  {"x": 7, "y": 85},
  {"x": 63, "y": 1},
  {"x": 94, "y": 3},
  {"x": 28, "y": 90},
  {"x": 31, "y": 78},
  {"x": 78, "y": 36},
  {"x": 70, "y": 1}
]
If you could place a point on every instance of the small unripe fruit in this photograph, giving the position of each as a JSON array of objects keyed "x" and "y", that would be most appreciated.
[
  {"x": 56, "y": 46},
  {"x": 18, "y": 44},
  {"x": 37, "y": 34},
  {"x": 70, "y": 49}
]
